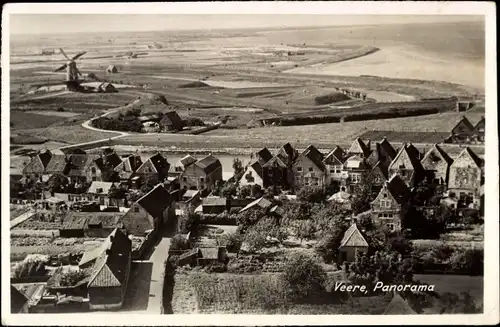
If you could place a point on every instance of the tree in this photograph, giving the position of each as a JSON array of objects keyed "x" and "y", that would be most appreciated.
[
  {"x": 72, "y": 277},
  {"x": 363, "y": 193},
  {"x": 245, "y": 191},
  {"x": 303, "y": 277},
  {"x": 249, "y": 218},
  {"x": 328, "y": 246},
  {"x": 238, "y": 168},
  {"x": 178, "y": 243},
  {"x": 254, "y": 239},
  {"x": 311, "y": 194},
  {"x": 233, "y": 242},
  {"x": 229, "y": 190},
  {"x": 57, "y": 183}
]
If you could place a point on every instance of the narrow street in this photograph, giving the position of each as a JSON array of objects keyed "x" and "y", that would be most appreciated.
[{"x": 160, "y": 254}]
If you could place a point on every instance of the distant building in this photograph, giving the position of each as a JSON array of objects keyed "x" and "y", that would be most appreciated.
[
  {"x": 127, "y": 167},
  {"x": 479, "y": 130},
  {"x": 156, "y": 167},
  {"x": 202, "y": 174},
  {"x": 334, "y": 162},
  {"x": 35, "y": 169},
  {"x": 309, "y": 169},
  {"x": 151, "y": 212},
  {"x": 463, "y": 131},
  {"x": 170, "y": 121},
  {"x": 391, "y": 204},
  {"x": 407, "y": 165},
  {"x": 254, "y": 172},
  {"x": 101, "y": 191}
]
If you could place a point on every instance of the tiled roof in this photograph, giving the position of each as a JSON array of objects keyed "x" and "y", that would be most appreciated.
[
  {"x": 106, "y": 219},
  {"x": 79, "y": 163},
  {"x": 264, "y": 155},
  {"x": 315, "y": 156},
  {"x": 262, "y": 203},
  {"x": 337, "y": 154},
  {"x": 397, "y": 187},
  {"x": 353, "y": 237},
  {"x": 209, "y": 164},
  {"x": 159, "y": 162},
  {"x": 57, "y": 164},
  {"x": 156, "y": 200},
  {"x": 100, "y": 187},
  {"x": 75, "y": 220}
]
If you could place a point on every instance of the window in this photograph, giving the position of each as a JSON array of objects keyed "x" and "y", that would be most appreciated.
[
  {"x": 136, "y": 209},
  {"x": 385, "y": 195},
  {"x": 338, "y": 169},
  {"x": 391, "y": 227},
  {"x": 93, "y": 170},
  {"x": 299, "y": 168},
  {"x": 184, "y": 179},
  {"x": 202, "y": 179},
  {"x": 385, "y": 204},
  {"x": 94, "y": 178},
  {"x": 390, "y": 215},
  {"x": 332, "y": 171},
  {"x": 311, "y": 169}
]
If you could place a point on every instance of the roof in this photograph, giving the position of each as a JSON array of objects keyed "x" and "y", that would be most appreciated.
[
  {"x": 480, "y": 123},
  {"x": 398, "y": 189},
  {"x": 106, "y": 219},
  {"x": 261, "y": 203},
  {"x": 187, "y": 160},
  {"x": 399, "y": 306},
  {"x": 172, "y": 118},
  {"x": 277, "y": 160},
  {"x": 17, "y": 299},
  {"x": 359, "y": 147},
  {"x": 383, "y": 168},
  {"x": 337, "y": 153},
  {"x": 109, "y": 160},
  {"x": 388, "y": 148},
  {"x": 159, "y": 162},
  {"x": 100, "y": 187},
  {"x": 465, "y": 122},
  {"x": 209, "y": 164},
  {"x": 78, "y": 163},
  {"x": 468, "y": 152},
  {"x": 412, "y": 153},
  {"x": 110, "y": 268},
  {"x": 214, "y": 201},
  {"x": 353, "y": 237},
  {"x": 257, "y": 167},
  {"x": 315, "y": 156},
  {"x": 45, "y": 157},
  {"x": 263, "y": 155},
  {"x": 156, "y": 200},
  {"x": 190, "y": 193},
  {"x": 287, "y": 150},
  {"x": 340, "y": 197},
  {"x": 437, "y": 151},
  {"x": 57, "y": 164},
  {"x": 354, "y": 162},
  {"x": 130, "y": 163},
  {"x": 75, "y": 220}
]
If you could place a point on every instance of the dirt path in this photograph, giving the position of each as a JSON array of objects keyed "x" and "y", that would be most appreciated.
[{"x": 25, "y": 216}]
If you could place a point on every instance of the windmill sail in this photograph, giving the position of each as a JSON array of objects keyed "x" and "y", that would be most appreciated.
[
  {"x": 61, "y": 68},
  {"x": 64, "y": 53},
  {"x": 78, "y": 55}
]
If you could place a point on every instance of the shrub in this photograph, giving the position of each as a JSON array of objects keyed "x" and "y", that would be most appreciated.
[
  {"x": 179, "y": 242},
  {"x": 303, "y": 277},
  {"x": 311, "y": 194},
  {"x": 233, "y": 242},
  {"x": 72, "y": 277},
  {"x": 255, "y": 240}
]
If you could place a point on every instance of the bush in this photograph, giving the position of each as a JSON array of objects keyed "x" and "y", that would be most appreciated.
[
  {"x": 255, "y": 240},
  {"x": 72, "y": 277},
  {"x": 178, "y": 243},
  {"x": 311, "y": 194},
  {"x": 233, "y": 242},
  {"x": 303, "y": 276}
]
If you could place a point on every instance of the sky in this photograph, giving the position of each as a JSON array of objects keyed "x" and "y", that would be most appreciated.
[{"x": 88, "y": 23}]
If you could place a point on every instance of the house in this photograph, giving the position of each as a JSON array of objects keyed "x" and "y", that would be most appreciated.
[
  {"x": 359, "y": 148},
  {"x": 82, "y": 168},
  {"x": 262, "y": 203},
  {"x": 278, "y": 171},
  {"x": 101, "y": 192},
  {"x": 334, "y": 162},
  {"x": 101, "y": 224},
  {"x": 111, "y": 69},
  {"x": 407, "y": 165},
  {"x": 288, "y": 153},
  {"x": 128, "y": 166},
  {"x": 352, "y": 243},
  {"x": 263, "y": 156},
  {"x": 466, "y": 178},
  {"x": 352, "y": 174},
  {"x": 35, "y": 169},
  {"x": 436, "y": 164},
  {"x": 253, "y": 175},
  {"x": 155, "y": 168},
  {"x": 383, "y": 152},
  {"x": 391, "y": 204},
  {"x": 399, "y": 306},
  {"x": 103, "y": 166},
  {"x": 190, "y": 198},
  {"x": 214, "y": 205},
  {"x": 187, "y": 160},
  {"x": 201, "y": 175},
  {"x": 463, "y": 131},
  {"x": 171, "y": 121},
  {"x": 479, "y": 130},
  {"x": 151, "y": 212},
  {"x": 309, "y": 169},
  {"x": 110, "y": 273},
  {"x": 379, "y": 175}
]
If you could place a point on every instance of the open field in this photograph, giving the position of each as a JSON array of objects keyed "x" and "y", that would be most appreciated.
[
  {"x": 399, "y": 136},
  {"x": 17, "y": 210},
  {"x": 69, "y": 134}
]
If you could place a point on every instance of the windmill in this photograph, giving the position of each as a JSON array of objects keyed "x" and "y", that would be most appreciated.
[{"x": 72, "y": 73}]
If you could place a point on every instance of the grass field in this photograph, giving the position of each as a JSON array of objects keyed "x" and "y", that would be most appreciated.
[
  {"x": 25, "y": 120},
  {"x": 69, "y": 134},
  {"x": 399, "y": 136},
  {"x": 16, "y": 210}
]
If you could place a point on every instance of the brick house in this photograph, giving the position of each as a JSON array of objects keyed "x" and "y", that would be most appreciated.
[
  {"x": 309, "y": 169},
  {"x": 202, "y": 174},
  {"x": 391, "y": 204},
  {"x": 156, "y": 168},
  {"x": 352, "y": 243},
  {"x": 463, "y": 131},
  {"x": 110, "y": 271},
  {"x": 127, "y": 167},
  {"x": 334, "y": 162},
  {"x": 466, "y": 177},
  {"x": 35, "y": 169},
  {"x": 436, "y": 164},
  {"x": 359, "y": 148},
  {"x": 407, "y": 165},
  {"x": 152, "y": 211},
  {"x": 354, "y": 168}
]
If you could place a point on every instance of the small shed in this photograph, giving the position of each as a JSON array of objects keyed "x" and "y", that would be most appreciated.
[
  {"x": 352, "y": 243},
  {"x": 214, "y": 205},
  {"x": 111, "y": 69}
]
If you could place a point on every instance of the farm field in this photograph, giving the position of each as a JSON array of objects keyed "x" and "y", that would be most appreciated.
[
  {"x": 17, "y": 210},
  {"x": 69, "y": 134}
]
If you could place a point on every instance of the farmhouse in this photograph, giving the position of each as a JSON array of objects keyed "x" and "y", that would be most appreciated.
[
  {"x": 391, "y": 204},
  {"x": 436, "y": 164},
  {"x": 170, "y": 121},
  {"x": 352, "y": 243},
  {"x": 334, "y": 162},
  {"x": 201, "y": 175},
  {"x": 407, "y": 165},
  {"x": 466, "y": 177},
  {"x": 151, "y": 212},
  {"x": 155, "y": 168},
  {"x": 309, "y": 169}
]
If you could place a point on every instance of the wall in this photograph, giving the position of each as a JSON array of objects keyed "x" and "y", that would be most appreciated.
[
  {"x": 257, "y": 180},
  {"x": 189, "y": 178},
  {"x": 105, "y": 298},
  {"x": 439, "y": 168},
  {"x": 395, "y": 209},
  {"x": 465, "y": 175},
  {"x": 137, "y": 223}
]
